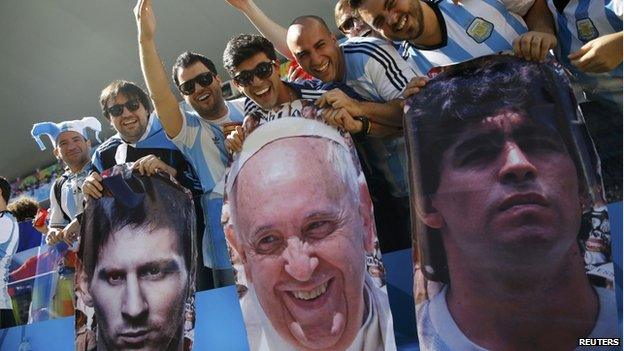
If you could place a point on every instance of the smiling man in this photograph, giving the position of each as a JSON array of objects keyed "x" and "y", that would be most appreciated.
[
  {"x": 439, "y": 33},
  {"x": 137, "y": 264},
  {"x": 502, "y": 183},
  {"x": 196, "y": 126},
  {"x": 304, "y": 247}
]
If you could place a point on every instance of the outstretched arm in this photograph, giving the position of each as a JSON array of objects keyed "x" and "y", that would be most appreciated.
[
  {"x": 165, "y": 102},
  {"x": 266, "y": 26}
]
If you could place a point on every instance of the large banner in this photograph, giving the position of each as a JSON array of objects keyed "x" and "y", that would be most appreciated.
[
  {"x": 300, "y": 224},
  {"x": 512, "y": 235},
  {"x": 136, "y": 265}
]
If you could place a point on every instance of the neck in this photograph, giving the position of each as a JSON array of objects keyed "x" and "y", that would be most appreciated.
[
  {"x": 218, "y": 112},
  {"x": 76, "y": 168},
  {"x": 477, "y": 298},
  {"x": 285, "y": 94},
  {"x": 432, "y": 33}
]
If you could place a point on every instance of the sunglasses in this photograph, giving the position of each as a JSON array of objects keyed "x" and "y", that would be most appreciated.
[
  {"x": 203, "y": 79},
  {"x": 263, "y": 71},
  {"x": 117, "y": 110},
  {"x": 347, "y": 25}
]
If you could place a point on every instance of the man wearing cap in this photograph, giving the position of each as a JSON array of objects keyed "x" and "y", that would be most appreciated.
[
  {"x": 303, "y": 248},
  {"x": 71, "y": 146}
]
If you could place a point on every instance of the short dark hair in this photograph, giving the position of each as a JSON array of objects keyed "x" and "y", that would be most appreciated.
[
  {"x": 129, "y": 89},
  {"x": 5, "y": 187},
  {"x": 166, "y": 205},
  {"x": 243, "y": 47},
  {"x": 188, "y": 58},
  {"x": 463, "y": 95},
  {"x": 24, "y": 208}
]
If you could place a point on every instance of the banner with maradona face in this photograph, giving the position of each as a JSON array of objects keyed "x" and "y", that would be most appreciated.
[{"x": 512, "y": 235}]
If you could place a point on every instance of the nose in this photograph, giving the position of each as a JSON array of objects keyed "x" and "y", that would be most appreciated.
[
  {"x": 517, "y": 167},
  {"x": 134, "y": 306},
  {"x": 125, "y": 111},
  {"x": 300, "y": 261}
]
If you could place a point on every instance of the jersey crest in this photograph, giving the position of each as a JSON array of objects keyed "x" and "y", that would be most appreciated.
[
  {"x": 586, "y": 30},
  {"x": 480, "y": 29}
]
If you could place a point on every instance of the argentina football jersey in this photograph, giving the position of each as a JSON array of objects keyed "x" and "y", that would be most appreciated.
[
  {"x": 376, "y": 72},
  {"x": 580, "y": 22},
  {"x": 470, "y": 29}
]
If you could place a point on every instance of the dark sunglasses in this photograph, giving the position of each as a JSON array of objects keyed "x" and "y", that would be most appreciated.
[
  {"x": 263, "y": 70},
  {"x": 203, "y": 79},
  {"x": 347, "y": 25},
  {"x": 117, "y": 110}
]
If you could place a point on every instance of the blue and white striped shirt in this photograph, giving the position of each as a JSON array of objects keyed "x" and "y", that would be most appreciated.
[
  {"x": 580, "y": 22},
  {"x": 470, "y": 29},
  {"x": 203, "y": 143},
  {"x": 376, "y": 71},
  {"x": 72, "y": 199},
  {"x": 9, "y": 238}
]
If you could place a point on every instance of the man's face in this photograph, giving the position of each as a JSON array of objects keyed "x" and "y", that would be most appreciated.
[
  {"x": 130, "y": 125},
  {"x": 264, "y": 92},
  {"x": 73, "y": 149},
  {"x": 208, "y": 100},
  {"x": 303, "y": 239},
  {"x": 394, "y": 19},
  {"x": 316, "y": 51},
  {"x": 138, "y": 290},
  {"x": 508, "y": 187}
]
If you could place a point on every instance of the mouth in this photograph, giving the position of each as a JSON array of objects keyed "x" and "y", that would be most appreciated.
[
  {"x": 322, "y": 68},
  {"x": 262, "y": 92},
  {"x": 526, "y": 199},
  {"x": 308, "y": 295},
  {"x": 400, "y": 25},
  {"x": 203, "y": 96},
  {"x": 130, "y": 122},
  {"x": 134, "y": 337}
]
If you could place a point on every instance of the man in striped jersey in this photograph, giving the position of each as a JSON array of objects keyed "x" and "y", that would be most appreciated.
[
  {"x": 590, "y": 46},
  {"x": 195, "y": 127},
  {"x": 442, "y": 32},
  {"x": 9, "y": 238}
]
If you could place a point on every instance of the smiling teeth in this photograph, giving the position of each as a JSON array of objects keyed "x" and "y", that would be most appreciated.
[
  {"x": 309, "y": 295},
  {"x": 401, "y": 23},
  {"x": 323, "y": 67},
  {"x": 202, "y": 97},
  {"x": 260, "y": 92}
]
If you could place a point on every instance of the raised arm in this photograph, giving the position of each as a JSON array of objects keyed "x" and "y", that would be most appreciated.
[
  {"x": 165, "y": 102},
  {"x": 266, "y": 26}
]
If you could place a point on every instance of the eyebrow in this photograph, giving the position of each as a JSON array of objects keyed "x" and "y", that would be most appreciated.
[
  {"x": 312, "y": 215},
  {"x": 167, "y": 264}
]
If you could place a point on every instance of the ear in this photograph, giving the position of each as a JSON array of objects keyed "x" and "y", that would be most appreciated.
[
  {"x": 88, "y": 143},
  {"x": 368, "y": 218},
  {"x": 429, "y": 214},
  {"x": 83, "y": 284},
  {"x": 234, "y": 243},
  {"x": 218, "y": 79}
]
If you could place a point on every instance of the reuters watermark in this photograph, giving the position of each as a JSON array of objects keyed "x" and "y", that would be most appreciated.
[{"x": 599, "y": 342}]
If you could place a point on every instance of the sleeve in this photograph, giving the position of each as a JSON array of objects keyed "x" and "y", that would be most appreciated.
[
  {"x": 519, "y": 7},
  {"x": 189, "y": 131},
  {"x": 56, "y": 219},
  {"x": 7, "y": 226},
  {"x": 96, "y": 161},
  {"x": 388, "y": 72}
]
